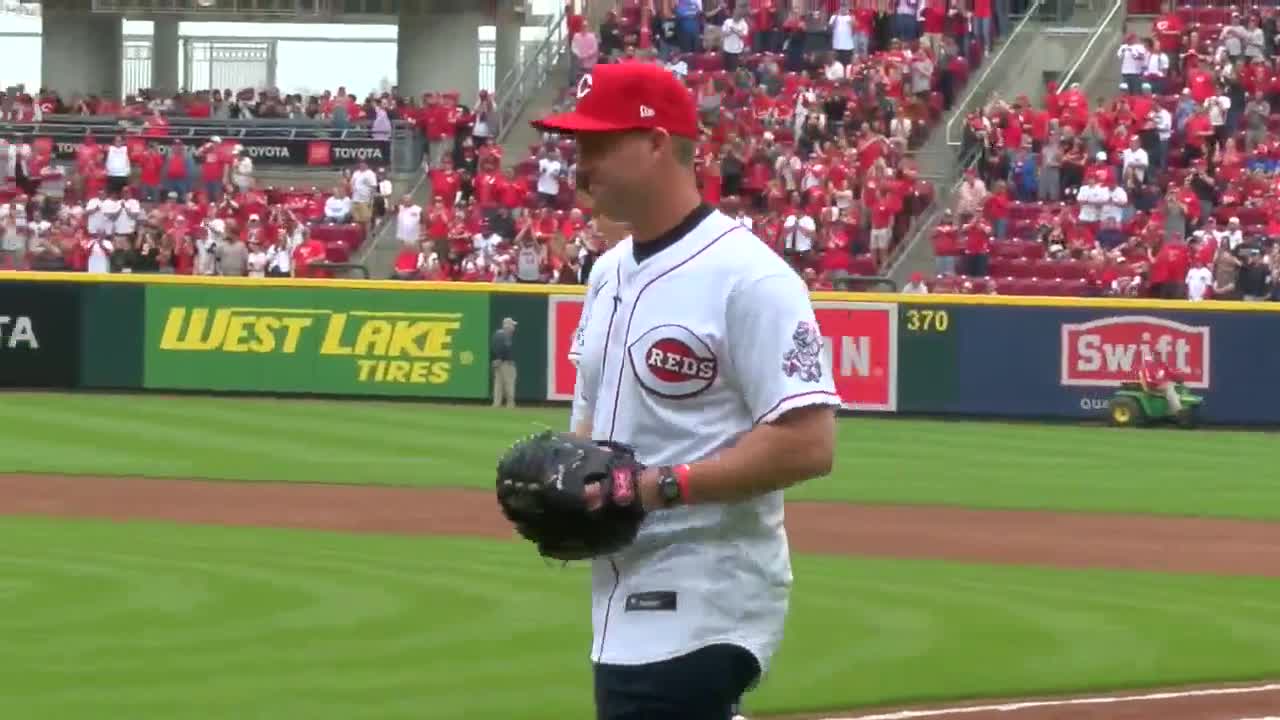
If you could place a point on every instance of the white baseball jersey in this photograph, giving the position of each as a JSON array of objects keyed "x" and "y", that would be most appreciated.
[{"x": 678, "y": 356}]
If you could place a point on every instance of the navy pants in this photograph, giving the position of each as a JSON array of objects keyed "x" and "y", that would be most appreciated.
[{"x": 704, "y": 685}]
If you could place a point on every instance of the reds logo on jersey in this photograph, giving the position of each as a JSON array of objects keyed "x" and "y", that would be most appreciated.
[{"x": 670, "y": 361}]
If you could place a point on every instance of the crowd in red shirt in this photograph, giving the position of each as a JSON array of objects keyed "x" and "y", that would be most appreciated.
[
  {"x": 1170, "y": 189},
  {"x": 810, "y": 152}
]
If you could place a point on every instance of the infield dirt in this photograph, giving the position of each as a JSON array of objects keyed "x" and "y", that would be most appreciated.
[{"x": 1070, "y": 540}]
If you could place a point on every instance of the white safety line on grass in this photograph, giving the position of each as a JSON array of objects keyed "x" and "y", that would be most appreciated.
[{"x": 1026, "y": 705}]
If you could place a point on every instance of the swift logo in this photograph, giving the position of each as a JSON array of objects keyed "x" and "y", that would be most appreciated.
[{"x": 1110, "y": 351}]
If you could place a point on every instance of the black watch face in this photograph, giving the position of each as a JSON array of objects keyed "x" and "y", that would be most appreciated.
[{"x": 670, "y": 489}]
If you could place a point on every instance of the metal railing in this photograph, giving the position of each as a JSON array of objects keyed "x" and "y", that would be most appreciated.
[
  {"x": 349, "y": 267},
  {"x": 1103, "y": 25},
  {"x": 864, "y": 283},
  {"x": 970, "y": 159},
  {"x": 990, "y": 65},
  {"x": 188, "y": 128},
  {"x": 302, "y": 10},
  {"x": 521, "y": 83}
]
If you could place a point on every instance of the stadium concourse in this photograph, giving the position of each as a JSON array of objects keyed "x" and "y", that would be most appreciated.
[
  {"x": 808, "y": 119},
  {"x": 1167, "y": 189}
]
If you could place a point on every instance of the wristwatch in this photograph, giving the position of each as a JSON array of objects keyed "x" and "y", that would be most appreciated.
[{"x": 672, "y": 483}]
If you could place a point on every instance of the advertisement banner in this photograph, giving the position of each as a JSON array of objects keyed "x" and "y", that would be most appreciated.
[
  {"x": 39, "y": 335},
  {"x": 563, "y": 314},
  {"x": 317, "y": 340},
  {"x": 860, "y": 341},
  {"x": 1065, "y": 362},
  {"x": 263, "y": 151},
  {"x": 861, "y": 345}
]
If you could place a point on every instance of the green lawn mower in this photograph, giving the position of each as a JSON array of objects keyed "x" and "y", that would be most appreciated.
[{"x": 1132, "y": 406}]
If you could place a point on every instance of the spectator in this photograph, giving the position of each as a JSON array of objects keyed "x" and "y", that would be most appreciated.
[
  {"x": 1133, "y": 62},
  {"x": 971, "y": 195},
  {"x": 502, "y": 357},
  {"x": 977, "y": 246},
  {"x": 241, "y": 170},
  {"x": 485, "y": 124},
  {"x": 279, "y": 256},
  {"x": 843, "y": 37},
  {"x": 100, "y": 250},
  {"x": 798, "y": 231},
  {"x": 178, "y": 170},
  {"x": 735, "y": 34},
  {"x": 688, "y": 24},
  {"x": 409, "y": 221},
  {"x": 364, "y": 186},
  {"x": 338, "y": 207},
  {"x": 550, "y": 172},
  {"x": 531, "y": 257},
  {"x": 1199, "y": 282},
  {"x": 232, "y": 257},
  {"x": 1134, "y": 160},
  {"x": 1254, "y": 281},
  {"x": 118, "y": 165},
  {"x": 382, "y": 200},
  {"x": 916, "y": 286},
  {"x": 380, "y": 128},
  {"x": 13, "y": 237},
  {"x": 584, "y": 53}
]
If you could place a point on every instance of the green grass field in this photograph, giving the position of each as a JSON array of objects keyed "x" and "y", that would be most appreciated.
[
  {"x": 147, "y": 620},
  {"x": 973, "y": 464},
  {"x": 150, "y": 620}
]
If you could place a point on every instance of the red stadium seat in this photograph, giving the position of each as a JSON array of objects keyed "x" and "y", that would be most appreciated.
[
  {"x": 1075, "y": 287},
  {"x": 1007, "y": 249},
  {"x": 999, "y": 266},
  {"x": 977, "y": 285},
  {"x": 863, "y": 264},
  {"x": 1025, "y": 211},
  {"x": 1031, "y": 249},
  {"x": 1024, "y": 286},
  {"x": 1044, "y": 268},
  {"x": 349, "y": 237},
  {"x": 1074, "y": 270},
  {"x": 943, "y": 284},
  {"x": 1006, "y": 285}
]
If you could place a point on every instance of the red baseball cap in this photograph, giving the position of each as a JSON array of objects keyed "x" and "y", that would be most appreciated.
[{"x": 628, "y": 96}]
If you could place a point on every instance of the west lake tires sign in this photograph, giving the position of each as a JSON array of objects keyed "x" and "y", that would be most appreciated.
[{"x": 324, "y": 341}]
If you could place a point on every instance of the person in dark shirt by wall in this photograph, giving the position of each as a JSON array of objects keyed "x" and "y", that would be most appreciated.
[
  {"x": 502, "y": 357},
  {"x": 1255, "y": 278}
]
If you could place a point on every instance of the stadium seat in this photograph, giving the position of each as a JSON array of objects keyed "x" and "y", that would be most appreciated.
[
  {"x": 1006, "y": 285},
  {"x": 863, "y": 264}
]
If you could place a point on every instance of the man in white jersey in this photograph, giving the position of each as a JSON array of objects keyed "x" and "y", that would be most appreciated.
[{"x": 699, "y": 348}]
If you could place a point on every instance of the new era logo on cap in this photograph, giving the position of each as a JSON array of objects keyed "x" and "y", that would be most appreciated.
[{"x": 628, "y": 96}]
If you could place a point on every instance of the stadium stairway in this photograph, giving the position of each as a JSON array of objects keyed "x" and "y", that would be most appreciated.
[
  {"x": 379, "y": 254},
  {"x": 515, "y": 146},
  {"x": 1042, "y": 48}
]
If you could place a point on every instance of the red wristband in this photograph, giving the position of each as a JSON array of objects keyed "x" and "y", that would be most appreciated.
[{"x": 682, "y": 480}]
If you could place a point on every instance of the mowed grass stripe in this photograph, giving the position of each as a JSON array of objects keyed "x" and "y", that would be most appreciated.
[
  {"x": 149, "y": 620},
  {"x": 976, "y": 464}
]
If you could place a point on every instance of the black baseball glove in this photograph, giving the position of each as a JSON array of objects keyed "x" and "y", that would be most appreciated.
[{"x": 542, "y": 489}]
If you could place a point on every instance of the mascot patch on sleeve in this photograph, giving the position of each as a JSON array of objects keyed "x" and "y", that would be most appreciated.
[{"x": 804, "y": 358}]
